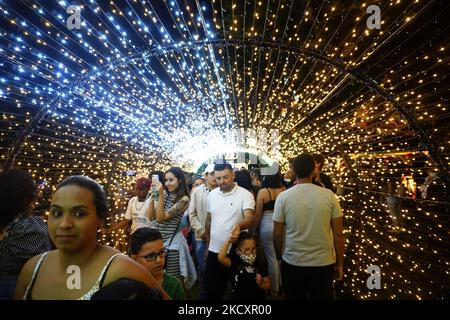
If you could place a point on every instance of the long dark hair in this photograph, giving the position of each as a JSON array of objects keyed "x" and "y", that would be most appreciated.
[
  {"x": 243, "y": 179},
  {"x": 183, "y": 189},
  {"x": 17, "y": 192},
  {"x": 272, "y": 181}
]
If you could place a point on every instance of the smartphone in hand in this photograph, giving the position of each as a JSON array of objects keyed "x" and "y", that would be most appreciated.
[{"x": 155, "y": 178}]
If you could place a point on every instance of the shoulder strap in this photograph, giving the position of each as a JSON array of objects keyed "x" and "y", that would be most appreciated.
[
  {"x": 101, "y": 278},
  {"x": 270, "y": 195},
  {"x": 178, "y": 226},
  {"x": 33, "y": 277},
  {"x": 173, "y": 236}
]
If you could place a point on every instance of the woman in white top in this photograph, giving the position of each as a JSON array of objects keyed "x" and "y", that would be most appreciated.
[
  {"x": 80, "y": 265},
  {"x": 271, "y": 187}
]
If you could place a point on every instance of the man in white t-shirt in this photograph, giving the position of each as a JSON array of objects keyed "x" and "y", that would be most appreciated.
[
  {"x": 314, "y": 244},
  {"x": 137, "y": 214},
  {"x": 230, "y": 210}
]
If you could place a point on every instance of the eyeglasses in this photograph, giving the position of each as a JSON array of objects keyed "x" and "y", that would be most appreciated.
[
  {"x": 153, "y": 255},
  {"x": 248, "y": 251}
]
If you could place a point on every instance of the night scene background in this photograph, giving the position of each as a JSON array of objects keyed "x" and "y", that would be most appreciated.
[{"x": 146, "y": 84}]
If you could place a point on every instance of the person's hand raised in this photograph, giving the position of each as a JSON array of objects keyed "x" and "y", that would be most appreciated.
[
  {"x": 259, "y": 279},
  {"x": 158, "y": 186},
  {"x": 235, "y": 231}
]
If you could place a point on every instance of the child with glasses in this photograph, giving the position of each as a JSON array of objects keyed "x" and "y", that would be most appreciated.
[
  {"x": 147, "y": 248},
  {"x": 248, "y": 268}
]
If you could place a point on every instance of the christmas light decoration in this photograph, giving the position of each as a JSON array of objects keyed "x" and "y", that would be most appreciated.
[{"x": 143, "y": 85}]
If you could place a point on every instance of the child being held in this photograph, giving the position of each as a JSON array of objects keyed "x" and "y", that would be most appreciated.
[{"x": 248, "y": 268}]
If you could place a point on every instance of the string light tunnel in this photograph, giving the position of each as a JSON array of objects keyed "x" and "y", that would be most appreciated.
[{"x": 144, "y": 84}]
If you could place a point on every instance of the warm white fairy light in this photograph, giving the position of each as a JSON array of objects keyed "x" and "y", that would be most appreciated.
[{"x": 144, "y": 86}]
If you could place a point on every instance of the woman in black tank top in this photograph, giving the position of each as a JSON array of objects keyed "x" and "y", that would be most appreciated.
[
  {"x": 265, "y": 203},
  {"x": 270, "y": 205},
  {"x": 80, "y": 265}
]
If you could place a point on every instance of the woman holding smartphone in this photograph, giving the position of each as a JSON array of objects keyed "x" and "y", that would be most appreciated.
[{"x": 173, "y": 200}]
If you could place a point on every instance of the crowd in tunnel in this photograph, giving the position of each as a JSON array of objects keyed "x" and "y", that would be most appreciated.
[
  {"x": 261, "y": 220},
  {"x": 119, "y": 109}
]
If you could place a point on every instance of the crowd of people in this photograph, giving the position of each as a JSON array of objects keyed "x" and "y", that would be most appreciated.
[{"x": 262, "y": 236}]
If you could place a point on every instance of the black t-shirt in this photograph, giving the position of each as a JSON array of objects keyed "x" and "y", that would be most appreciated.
[
  {"x": 243, "y": 277},
  {"x": 325, "y": 180}
]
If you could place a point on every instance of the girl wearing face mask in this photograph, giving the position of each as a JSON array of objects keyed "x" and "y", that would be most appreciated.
[
  {"x": 248, "y": 268},
  {"x": 168, "y": 210}
]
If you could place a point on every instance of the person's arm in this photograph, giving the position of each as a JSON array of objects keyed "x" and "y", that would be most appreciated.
[
  {"x": 247, "y": 222},
  {"x": 278, "y": 231},
  {"x": 125, "y": 267},
  {"x": 263, "y": 282},
  {"x": 119, "y": 225},
  {"x": 177, "y": 209},
  {"x": 125, "y": 222},
  {"x": 337, "y": 226},
  {"x": 278, "y": 226},
  {"x": 207, "y": 235},
  {"x": 193, "y": 216},
  {"x": 249, "y": 217},
  {"x": 222, "y": 256},
  {"x": 25, "y": 277},
  {"x": 259, "y": 209},
  {"x": 151, "y": 212}
]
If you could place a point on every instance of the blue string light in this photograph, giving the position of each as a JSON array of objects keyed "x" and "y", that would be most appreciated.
[{"x": 176, "y": 81}]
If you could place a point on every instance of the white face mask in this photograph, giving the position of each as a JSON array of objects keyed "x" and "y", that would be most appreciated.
[{"x": 247, "y": 258}]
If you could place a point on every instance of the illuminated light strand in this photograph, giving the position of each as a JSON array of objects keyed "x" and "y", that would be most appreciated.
[{"x": 177, "y": 91}]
